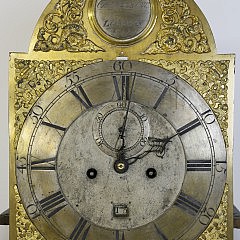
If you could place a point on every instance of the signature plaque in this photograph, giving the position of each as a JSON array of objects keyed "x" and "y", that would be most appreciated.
[{"x": 123, "y": 21}]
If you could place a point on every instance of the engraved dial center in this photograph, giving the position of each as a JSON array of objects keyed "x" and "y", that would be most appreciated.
[{"x": 100, "y": 186}]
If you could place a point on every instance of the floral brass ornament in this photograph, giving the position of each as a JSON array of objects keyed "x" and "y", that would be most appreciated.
[
  {"x": 180, "y": 30},
  {"x": 63, "y": 29},
  {"x": 24, "y": 227},
  {"x": 35, "y": 77},
  {"x": 209, "y": 78}
]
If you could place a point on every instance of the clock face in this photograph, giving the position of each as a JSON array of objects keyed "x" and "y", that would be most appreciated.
[{"x": 121, "y": 150}]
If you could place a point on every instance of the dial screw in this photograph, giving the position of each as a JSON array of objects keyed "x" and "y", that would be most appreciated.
[
  {"x": 92, "y": 173},
  {"x": 151, "y": 173}
]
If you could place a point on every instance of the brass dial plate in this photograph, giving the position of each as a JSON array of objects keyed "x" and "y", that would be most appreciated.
[{"x": 195, "y": 152}]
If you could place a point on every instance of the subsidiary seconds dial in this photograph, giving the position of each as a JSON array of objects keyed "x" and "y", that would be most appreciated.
[{"x": 108, "y": 123}]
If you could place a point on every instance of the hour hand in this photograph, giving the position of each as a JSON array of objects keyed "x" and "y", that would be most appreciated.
[
  {"x": 152, "y": 141},
  {"x": 157, "y": 146}
]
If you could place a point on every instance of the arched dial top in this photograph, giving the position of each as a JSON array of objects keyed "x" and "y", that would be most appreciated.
[{"x": 121, "y": 150}]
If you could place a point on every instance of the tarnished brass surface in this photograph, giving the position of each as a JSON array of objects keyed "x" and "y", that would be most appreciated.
[
  {"x": 32, "y": 78},
  {"x": 173, "y": 27},
  {"x": 216, "y": 230},
  {"x": 180, "y": 40},
  {"x": 184, "y": 68},
  {"x": 24, "y": 227},
  {"x": 63, "y": 29},
  {"x": 209, "y": 78},
  {"x": 180, "y": 30}
]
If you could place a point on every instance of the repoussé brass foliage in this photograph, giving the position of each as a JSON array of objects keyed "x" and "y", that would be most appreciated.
[{"x": 180, "y": 30}]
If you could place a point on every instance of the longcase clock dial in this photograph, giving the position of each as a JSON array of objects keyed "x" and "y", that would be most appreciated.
[{"x": 121, "y": 150}]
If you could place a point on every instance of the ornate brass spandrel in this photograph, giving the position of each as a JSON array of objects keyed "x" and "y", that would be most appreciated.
[
  {"x": 180, "y": 30},
  {"x": 63, "y": 29},
  {"x": 218, "y": 227},
  {"x": 34, "y": 77},
  {"x": 209, "y": 78},
  {"x": 24, "y": 227}
]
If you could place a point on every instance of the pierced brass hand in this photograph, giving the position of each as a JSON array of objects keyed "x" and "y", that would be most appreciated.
[{"x": 157, "y": 146}]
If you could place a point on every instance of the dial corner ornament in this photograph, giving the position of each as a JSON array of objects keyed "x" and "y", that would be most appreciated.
[{"x": 120, "y": 150}]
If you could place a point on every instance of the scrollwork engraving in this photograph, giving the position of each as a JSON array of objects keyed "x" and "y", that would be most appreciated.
[
  {"x": 63, "y": 29},
  {"x": 180, "y": 30}
]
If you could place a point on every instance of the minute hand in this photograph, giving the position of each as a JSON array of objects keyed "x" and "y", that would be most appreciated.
[
  {"x": 123, "y": 127},
  {"x": 164, "y": 140}
]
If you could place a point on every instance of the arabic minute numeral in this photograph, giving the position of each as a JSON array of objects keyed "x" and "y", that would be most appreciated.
[
  {"x": 71, "y": 79},
  {"x": 21, "y": 163},
  {"x": 36, "y": 113},
  {"x": 207, "y": 216},
  {"x": 120, "y": 66},
  {"x": 221, "y": 167},
  {"x": 208, "y": 117}
]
